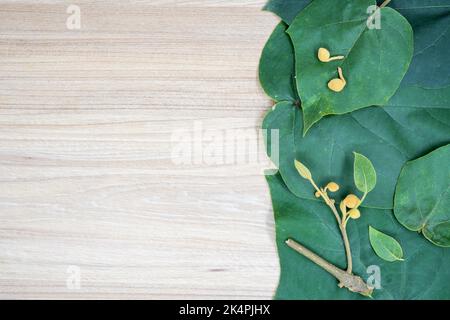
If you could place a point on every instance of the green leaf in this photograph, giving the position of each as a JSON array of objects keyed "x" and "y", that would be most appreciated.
[
  {"x": 376, "y": 60},
  {"x": 278, "y": 150},
  {"x": 415, "y": 121},
  {"x": 276, "y": 66},
  {"x": 286, "y": 9},
  {"x": 422, "y": 197},
  {"x": 424, "y": 275},
  {"x": 302, "y": 170},
  {"x": 386, "y": 247},
  {"x": 364, "y": 174}
]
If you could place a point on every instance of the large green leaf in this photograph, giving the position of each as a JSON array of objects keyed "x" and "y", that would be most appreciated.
[
  {"x": 415, "y": 121},
  {"x": 276, "y": 66},
  {"x": 286, "y": 9},
  {"x": 281, "y": 113},
  {"x": 423, "y": 275},
  {"x": 376, "y": 59},
  {"x": 422, "y": 197}
]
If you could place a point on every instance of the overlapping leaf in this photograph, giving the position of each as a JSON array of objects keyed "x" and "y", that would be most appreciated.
[
  {"x": 376, "y": 59},
  {"x": 286, "y": 9},
  {"x": 422, "y": 197},
  {"x": 276, "y": 67}
]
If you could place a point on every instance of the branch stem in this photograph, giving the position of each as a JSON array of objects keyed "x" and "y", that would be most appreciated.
[
  {"x": 385, "y": 3},
  {"x": 350, "y": 281},
  {"x": 348, "y": 251},
  {"x": 327, "y": 201},
  {"x": 342, "y": 225}
]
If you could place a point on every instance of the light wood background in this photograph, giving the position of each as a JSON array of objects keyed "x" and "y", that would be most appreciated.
[{"x": 87, "y": 170}]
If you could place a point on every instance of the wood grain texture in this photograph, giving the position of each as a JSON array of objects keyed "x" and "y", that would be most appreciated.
[{"x": 87, "y": 170}]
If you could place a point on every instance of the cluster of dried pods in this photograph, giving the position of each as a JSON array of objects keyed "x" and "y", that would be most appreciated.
[
  {"x": 338, "y": 84},
  {"x": 351, "y": 202}
]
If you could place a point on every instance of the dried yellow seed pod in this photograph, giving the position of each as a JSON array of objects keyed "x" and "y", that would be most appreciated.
[
  {"x": 337, "y": 85},
  {"x": 351, "y": 201},
  {"x": 333, "y": 186},
  {"x": 324, "y": 56},
  {"x": 317, "y": 194},
  {"x": 354, "y": 214}
]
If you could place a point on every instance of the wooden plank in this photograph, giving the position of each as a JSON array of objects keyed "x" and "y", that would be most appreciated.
[{"x": 90, "y": 182}]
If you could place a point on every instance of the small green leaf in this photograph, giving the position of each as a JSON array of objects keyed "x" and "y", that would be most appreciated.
[
  {"x": 364, "y": 174},
  {"x": 386, "y": 247},
  {"x": 303, "y": 170}
]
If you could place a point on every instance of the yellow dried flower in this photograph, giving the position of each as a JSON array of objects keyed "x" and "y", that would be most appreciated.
[
  {"x": 351, "y": 201},
  {"x": 337, "y": 85},
  {"x": 354, "y": 214},
  {"x": 324, "y": 56},
  {"x": 333, "y": 186}
]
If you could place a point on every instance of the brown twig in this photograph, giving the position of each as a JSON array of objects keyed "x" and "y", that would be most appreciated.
[
  {"x": 385, "y": 3},
  {"x": 347, "y": 280},
  {"x": 348, "y": 251}
]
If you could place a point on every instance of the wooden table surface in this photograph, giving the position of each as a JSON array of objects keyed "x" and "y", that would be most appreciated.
[{"x": 98, "y": 198}]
